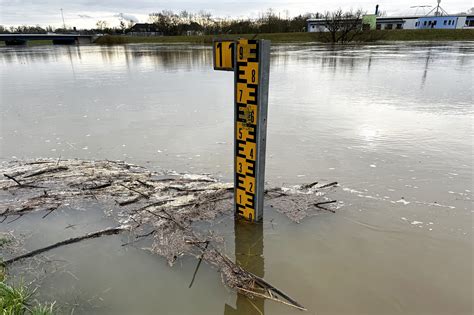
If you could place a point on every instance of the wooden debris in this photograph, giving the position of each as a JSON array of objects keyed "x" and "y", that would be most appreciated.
[
  {"x": 328, "y": 185},
  {"x": 100, "y": 186},
  {"x": 319, "y": 204},
  {"x": 13, "y": 179},
  {"x": 47, "y": 170},
  {"x": 109, "y": 231}
]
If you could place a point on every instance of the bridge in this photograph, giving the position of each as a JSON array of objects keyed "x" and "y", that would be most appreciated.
[{"x": 58, "y": 39}]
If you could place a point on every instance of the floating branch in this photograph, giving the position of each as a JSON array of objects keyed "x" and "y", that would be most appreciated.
[
  {"x": 328, "y": 185},
  {"x": 109, "y": 231},
  {"x": 47, "y": 170},
  {"x": 319, "y": 204},
  {"x": 13, "y": 179},
  {"x": 100, "y": 186}
]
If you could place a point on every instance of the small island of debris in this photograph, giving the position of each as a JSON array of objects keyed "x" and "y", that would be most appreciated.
[{"x": 161, "y": 205}]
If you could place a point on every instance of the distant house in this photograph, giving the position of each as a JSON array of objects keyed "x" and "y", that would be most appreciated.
[
  {"x": 192, "y": 29},
  {"x": 144, "y": 29}
]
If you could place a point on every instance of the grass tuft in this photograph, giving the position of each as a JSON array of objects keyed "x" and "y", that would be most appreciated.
[
  {"x": 16, "y": 300},
  {"x": 45, "y": 309},
  {"x": 13, "y": 301}
]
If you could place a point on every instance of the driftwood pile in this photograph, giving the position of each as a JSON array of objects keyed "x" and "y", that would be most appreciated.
[{"x": 162, "y": 205}]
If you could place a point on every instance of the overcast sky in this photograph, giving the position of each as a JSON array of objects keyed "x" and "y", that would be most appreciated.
[{"x": 85, "y": 13}]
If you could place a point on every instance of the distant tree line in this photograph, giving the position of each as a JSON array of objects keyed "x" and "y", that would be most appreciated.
[
  {"x": 23, "y": 29},
  {"x": 184, "y": 22},
  {"x": 339, "y": 26},
  {"x": 101, "y": 27}
]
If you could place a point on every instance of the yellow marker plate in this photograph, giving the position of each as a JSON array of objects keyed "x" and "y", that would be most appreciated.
[{"x": 223, "y": 52}]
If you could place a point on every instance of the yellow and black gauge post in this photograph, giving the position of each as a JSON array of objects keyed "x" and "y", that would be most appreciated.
[{"x": 251, "y": 65}]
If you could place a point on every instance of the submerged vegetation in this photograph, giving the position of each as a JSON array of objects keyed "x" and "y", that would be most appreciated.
[
  {"x": 4, "y": 239},
  {"x": 302, "y": 37}
]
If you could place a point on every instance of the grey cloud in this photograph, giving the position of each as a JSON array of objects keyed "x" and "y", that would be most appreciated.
[{"x": 127, "y": 17}]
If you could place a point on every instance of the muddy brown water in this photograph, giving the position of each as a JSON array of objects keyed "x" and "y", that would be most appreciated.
[{"x": 391, "y": 122}]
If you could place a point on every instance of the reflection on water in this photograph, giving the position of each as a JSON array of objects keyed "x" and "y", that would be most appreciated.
[
  {"x": 391, "y": 122},
  {"x": 425, "y": 73},
  {"x": 166, "y": 56},
  {"x": 249, "y": 255}
]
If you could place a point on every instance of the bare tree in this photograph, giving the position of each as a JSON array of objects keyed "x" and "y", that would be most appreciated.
[
  {"x": 122, "y": 26},
  {"x": 202, "y": 22},
  {"x": 343, "y": 26},
  {"x": 102, "y": 25},
  {"x": 3, "y": 30}
]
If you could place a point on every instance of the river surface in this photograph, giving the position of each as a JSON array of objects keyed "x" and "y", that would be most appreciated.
[{"x": 392, "y": 123}]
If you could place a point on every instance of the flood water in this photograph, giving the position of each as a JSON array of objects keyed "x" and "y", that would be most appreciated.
[{"x": 392, "y": 123}]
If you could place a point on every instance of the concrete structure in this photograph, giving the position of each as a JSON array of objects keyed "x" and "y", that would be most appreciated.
[{"x": 58, "y": 39}]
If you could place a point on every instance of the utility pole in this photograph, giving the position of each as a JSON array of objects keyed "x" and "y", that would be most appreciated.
[{"x": 64, "y": 23}]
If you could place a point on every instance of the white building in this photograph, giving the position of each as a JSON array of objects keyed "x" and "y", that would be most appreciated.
[{"x": 409, "y": 23}]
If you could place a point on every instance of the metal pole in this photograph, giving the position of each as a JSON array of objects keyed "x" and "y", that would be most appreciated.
[{"x": 262, "y": 124}]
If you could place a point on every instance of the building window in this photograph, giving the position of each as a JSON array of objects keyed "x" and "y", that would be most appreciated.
[
  {"x": 435, "y": 22},
  {"x": 416, "y": 24},
  {"x": 378, "y": 26},
  {"x": 388, "y": 26},
  {"x": 399, "y": 26},
  {"x": 445, "y": 22},
  {"x": 424, "y": 23}
]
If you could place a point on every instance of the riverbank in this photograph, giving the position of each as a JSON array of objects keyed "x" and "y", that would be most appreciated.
[
  {"x": 33, "y": 43},
  {"x": 392, "y": 35}
]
